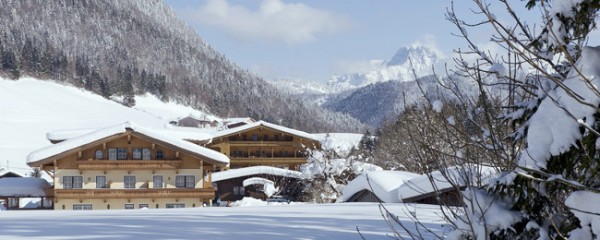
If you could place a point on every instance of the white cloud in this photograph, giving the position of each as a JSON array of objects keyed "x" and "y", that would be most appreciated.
[
  {"x": 273, "y": 20},
  {"x": 429, "y": 41},
  {"x": 357, "y": 66}
]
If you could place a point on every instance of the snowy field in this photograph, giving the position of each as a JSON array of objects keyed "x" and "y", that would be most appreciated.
[
  {"x": 295, "y": 221},
  {"x": 32, "y": 108}
]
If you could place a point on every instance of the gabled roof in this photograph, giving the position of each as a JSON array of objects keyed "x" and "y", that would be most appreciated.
[
  {"x": 6, "y": 172},
  {"x": 383, "y": 184},
  {"x": 239, "y": 119},
  {"x": 399, "y": 186},
  {"x": 46, "y": 154},
  {"x": 61, "y": 135},
  {"x": 249, "y": 126},
  {"x": 189, "y": 133},
  {"x": 441, "y": 181},
  {"x": 254, "y": 170}
]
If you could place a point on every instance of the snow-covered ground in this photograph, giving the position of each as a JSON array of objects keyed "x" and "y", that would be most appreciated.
[
  {"x": 31, "y": 108},
  {"x": 299, "y": 221}
]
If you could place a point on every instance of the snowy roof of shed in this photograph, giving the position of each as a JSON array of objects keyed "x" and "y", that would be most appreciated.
[
  {"x": 384, "y": 184},
  {"x": 443, "y": 180},
  {"x": 254, "y": 170},
  {"x": 257, "y": 180},
  {"x": 48, "y": 152},
  {"x": 23, "y": 187}
]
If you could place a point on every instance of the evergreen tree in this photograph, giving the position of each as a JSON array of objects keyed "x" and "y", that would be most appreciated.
[{"x": 559, "y": 162}]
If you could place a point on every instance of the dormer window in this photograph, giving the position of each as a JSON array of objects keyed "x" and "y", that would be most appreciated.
[{"x": 99, "y": 155}]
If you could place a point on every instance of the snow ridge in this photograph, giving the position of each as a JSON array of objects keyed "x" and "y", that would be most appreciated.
[{"x": 403, "y": 66}]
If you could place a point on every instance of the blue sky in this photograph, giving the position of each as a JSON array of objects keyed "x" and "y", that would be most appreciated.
[{"x": 312, "y": 40}]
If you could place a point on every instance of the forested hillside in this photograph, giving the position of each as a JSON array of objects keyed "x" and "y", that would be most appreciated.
[
  {"x": 381, "y": 101},
  {"x": 123, "y": 48}
]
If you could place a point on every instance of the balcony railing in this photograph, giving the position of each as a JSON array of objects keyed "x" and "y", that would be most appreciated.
[
  {"x": 265, "y": 143},
  {"x": 127, "y": 164},
  {"x": 267, "y": 160},
  {"x": 205, "y": 193}
]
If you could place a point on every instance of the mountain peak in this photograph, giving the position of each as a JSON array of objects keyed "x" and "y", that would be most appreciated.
[
  {"x": 417, "y": 59},
  {"x": 417, "y": 54}
]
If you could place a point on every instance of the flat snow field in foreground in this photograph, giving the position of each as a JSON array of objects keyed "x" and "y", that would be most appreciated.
[{"x": 295, "y": 221}]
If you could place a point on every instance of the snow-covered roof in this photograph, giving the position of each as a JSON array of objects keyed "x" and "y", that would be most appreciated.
[
  {"x": 442, "y": 180},
  {"x": 4, "y": 172},
  {"x": 72, "y": 143},
  {"x": 384, "y": 184},
  {"x": 257, "y": 180},
  {"x": 239, "y": 119},
  {"x": 186, "y": 133},
  {"x": 249, "y": 126},
  {"x": 23, "y": 187},
  {"x": 254, "y": 170},
  {"x": 61, "y": 135}
]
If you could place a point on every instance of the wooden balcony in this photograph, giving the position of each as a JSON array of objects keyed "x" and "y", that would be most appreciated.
[
  {"x": 264, "y": 144},
  {"x": 267, "y": 160},
  {"x": 127, "y": 164},
  {"x": 201, "y": 193}
]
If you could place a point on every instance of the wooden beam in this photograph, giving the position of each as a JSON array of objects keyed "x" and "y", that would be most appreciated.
[{"x": 50, "y": 174}]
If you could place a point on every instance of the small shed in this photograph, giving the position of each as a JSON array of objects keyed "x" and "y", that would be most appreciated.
[
  {"x": 376, "y": 186},
  {"x": 444, "y": 187},
  {"x": 13, "y": 189},
  {"x": 256, "y": 181}
]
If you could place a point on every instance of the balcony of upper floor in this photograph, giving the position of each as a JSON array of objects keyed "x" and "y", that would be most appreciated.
[
  {"x": 125, "y": 164},
  {"x": 106, "y": 193}
]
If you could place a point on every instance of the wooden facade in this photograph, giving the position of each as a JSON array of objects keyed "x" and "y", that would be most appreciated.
[
  {"x": 129, "y": 170},
  {"x": 262, "y": 145}
]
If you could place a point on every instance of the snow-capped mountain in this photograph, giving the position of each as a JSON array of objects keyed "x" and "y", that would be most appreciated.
[
  {"x": 400, "y": 67},
  {"x": 299, "y": 86}
]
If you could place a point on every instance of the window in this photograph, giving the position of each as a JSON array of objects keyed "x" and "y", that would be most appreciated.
[
  {"x": 82, "y": 206},
  {"x": 129, "y": 206},
  {"x": 129, "y": 181},
  {"x": 157, "y": 181},
  {"x": 121, "y": 153},
  {"x": 238, "y": 190},
  {"x": 276, "y": 137},
  {"x": 99, "y": 154},
  {"x": 100, "y": 181},
  {"x": 143, "y": 205},
  {"x": 266, "y": 137},
  {"x": 185, "y": 181},
  {"x": 175, "y": 205},
  {"x": 146, "y": 154},
  {"x": 255, "y": 137},
  {"x": 112, "y": 154},
  {"x": 160, "y": 154},
  {"x": 70, "y": 182},
  {"x": 136, "y": 153}
]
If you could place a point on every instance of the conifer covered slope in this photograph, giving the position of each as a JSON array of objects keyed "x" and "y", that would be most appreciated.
[{"x": 130, "y": 47}]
